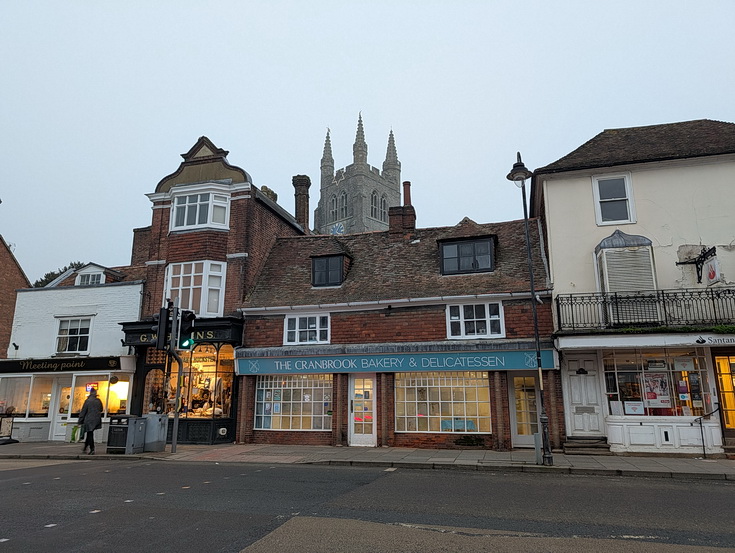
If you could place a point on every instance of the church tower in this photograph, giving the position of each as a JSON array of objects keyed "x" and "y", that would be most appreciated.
[{"x": 356, "y": 198}]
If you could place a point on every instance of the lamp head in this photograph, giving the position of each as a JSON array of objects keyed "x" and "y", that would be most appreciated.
[{"x": 519, "y": 173}]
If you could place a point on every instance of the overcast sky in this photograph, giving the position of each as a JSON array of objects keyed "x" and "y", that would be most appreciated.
[{"x": 99, "y": 99}]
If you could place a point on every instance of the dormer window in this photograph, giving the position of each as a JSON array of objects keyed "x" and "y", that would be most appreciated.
[
  {"x": 88, "y": 279},
  {"x": 200, "y": 210},
  {"x": 327, "y": 271},
  {"x": 468, "y": 256}
]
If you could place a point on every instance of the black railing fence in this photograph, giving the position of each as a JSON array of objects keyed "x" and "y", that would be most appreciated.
[{"x": 667, "y": 308}]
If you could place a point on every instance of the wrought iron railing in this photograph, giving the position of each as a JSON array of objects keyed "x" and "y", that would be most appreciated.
[{"x": 646, "y": 308}]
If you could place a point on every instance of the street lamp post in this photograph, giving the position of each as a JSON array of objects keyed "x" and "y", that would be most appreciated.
[{"x": 518, "y": 175}]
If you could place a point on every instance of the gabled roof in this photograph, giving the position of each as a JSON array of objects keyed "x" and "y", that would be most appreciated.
[
  {"x": 8, "y": 254},
  {"x": 382, "y": 268},
  {"x": 671, "y": 141}
]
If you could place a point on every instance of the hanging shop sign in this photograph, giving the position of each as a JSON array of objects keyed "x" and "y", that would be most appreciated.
[{"x": 397, "y": 362}]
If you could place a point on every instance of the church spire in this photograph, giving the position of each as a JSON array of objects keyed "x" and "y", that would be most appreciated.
[
  {"x": 359, "y": 148},
  {"x": 327, "y": 162},
  {"x": 391, "y": 165}
]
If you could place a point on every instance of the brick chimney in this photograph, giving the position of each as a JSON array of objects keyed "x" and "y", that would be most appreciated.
[
  {"x": 402, "y": 219},
  {"x": 301, "y": 184}
]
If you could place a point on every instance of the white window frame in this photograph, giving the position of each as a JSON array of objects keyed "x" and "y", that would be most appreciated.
[
  {"x": 596, "y": 179},
  {"x": 186, "y": 280},
  {"x": 274, "y": 397},
  {"x": 458, "y": 309},
  {"x": 81, "y": 277},
  {"x": 218, "y": 198},
  {"x": 59, "y": 336},
  {"x": 293, "y": 334}
]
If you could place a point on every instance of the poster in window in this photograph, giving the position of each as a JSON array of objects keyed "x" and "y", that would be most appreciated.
[
  {"x": 616, "y": 408},
  {"x": 656, "y": 390},
  {"x": 634, "y": 408}
]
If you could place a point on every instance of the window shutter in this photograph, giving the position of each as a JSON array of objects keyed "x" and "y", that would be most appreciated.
[
  {"x": 627, "y": 269},
  {"x": 624, "y": 273}
]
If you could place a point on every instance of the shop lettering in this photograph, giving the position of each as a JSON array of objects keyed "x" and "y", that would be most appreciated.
[
  {"x": 462, "y": 362},
  {"x": 322, "y": 365},
  {"x": 50, "y": 366},
  {"x": 713, "y": 340}
]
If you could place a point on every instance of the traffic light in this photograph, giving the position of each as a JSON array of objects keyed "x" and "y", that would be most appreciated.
[
  {"x": 161, "y": 328},
  {"x": 187, "y": 324}
]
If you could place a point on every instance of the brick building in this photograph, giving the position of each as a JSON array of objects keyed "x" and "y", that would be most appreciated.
[
  {"x": 408, "y": 337},
  {"x": 12, "y": 277},
  {"x": 210, "y": 232}
]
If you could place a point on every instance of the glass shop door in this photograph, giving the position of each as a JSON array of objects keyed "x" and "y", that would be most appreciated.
[{"x": 362, "y": 410}]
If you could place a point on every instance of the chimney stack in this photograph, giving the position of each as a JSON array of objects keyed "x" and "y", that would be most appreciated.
[
  {"x": 301, "y": 184},
  {"x": 402, "y": 219}
]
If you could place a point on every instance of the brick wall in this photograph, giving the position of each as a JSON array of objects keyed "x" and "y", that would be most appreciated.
[{"x": 11, "y": 278}]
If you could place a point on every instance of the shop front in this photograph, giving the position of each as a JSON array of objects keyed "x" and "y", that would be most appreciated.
[
  {"x": 206, "y": 407},
  {"x": 44, "y": 396},
  {"x": 486, "y": 399},
  {"x": 648, "y": 393}
]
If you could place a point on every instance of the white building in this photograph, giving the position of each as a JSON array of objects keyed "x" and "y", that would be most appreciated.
[
  {"x": 66, "y": 339},
  {"x": 642, "y": 256}
]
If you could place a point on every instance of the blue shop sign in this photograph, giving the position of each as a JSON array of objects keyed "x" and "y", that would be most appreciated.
[{"x": 396, "y": 362}]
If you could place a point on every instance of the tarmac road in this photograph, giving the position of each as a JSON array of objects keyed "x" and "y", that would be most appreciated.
[{"x": 165, "y": 506}]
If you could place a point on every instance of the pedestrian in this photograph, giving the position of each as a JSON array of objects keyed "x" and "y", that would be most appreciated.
[{"x": 90, "y": 419}]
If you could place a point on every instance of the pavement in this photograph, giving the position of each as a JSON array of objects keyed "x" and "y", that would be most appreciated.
[{"x": 397, "y": 457}]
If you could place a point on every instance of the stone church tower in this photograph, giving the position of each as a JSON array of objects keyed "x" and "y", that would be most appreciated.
[{"x": 357, "y": 198}]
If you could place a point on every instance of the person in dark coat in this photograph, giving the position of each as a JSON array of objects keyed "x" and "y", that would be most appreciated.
[{"x": 90, "y": 419}]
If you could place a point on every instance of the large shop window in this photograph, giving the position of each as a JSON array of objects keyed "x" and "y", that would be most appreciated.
[
  {"x": 73, "y": 336},
  {"x": 200, "y": 210},
  {"x": 299, "y": 402},
  {"x": 478, "y": 320},
  {"x": 112, "y": 390},
  {"x": 208, "y": 376},
  {"x": 670, "y": 382},
  {"x": 443, "y": 402},
  {"x": 200, "y": 286},
  {"x": 14, "y": 395},
  {"x": 308, "y": 329}
]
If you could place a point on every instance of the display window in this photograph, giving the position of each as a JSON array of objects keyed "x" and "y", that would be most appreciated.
[
  {"x": 668, "y": 382},
  {"x": 41, "y": 396},
  {"x": 443, "y": 402},
  {"x": 206, "y": 382},
  {"x": 14, "y": 395},
  {"x": 113, "y": 391},
  {"x": 298, "y": 402}
]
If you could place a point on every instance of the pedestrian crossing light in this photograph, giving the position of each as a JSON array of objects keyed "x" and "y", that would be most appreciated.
[{"x": 187, "y": 325}]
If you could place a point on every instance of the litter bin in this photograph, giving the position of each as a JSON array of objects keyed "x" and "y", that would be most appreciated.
[
  {"x": 126, "y": 435},
  {"x": 156, "y": 427}
]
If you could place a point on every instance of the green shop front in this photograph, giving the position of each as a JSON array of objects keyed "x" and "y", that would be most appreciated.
[
  {"x": 375, "y": 397},
  {"x": 207, "y": 398}
]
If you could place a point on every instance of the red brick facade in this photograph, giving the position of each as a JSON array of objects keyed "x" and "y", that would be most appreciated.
[{"x": 12, "y": 278}]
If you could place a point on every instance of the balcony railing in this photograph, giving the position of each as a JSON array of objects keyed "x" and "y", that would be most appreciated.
[{"x": 646, "y": 308}]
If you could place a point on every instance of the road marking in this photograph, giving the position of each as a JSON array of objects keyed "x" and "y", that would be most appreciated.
[
  {"x": 390, "y": 469},
  {"x": 49, "y": 525},
  {"x": 161, "y": 493},
  {"x": 3, "y": 540},
  {"x": 185, "y": 487},
  {"x": 95, "y": 511},
  {"x": 128, "y": 501}
]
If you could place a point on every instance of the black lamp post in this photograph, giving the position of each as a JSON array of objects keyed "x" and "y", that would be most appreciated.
[{"x": 518, "y": 175}]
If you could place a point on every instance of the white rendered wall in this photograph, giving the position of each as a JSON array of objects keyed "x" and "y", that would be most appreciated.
[
  {"x": 676, "y": 203},
  {"x": 37, "y": 313}
]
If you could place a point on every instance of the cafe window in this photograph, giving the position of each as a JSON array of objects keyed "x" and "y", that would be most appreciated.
[
  {"x": 443, "y": 402},
  {"x": 669, "y": 382},
  {"x": 14, "y": 395},
  {"x": 41, "y": 396},
  {"x": 207, "y": 382},
  {"x": 113, "y": 391},
  {"x": 298, "y": 402}
]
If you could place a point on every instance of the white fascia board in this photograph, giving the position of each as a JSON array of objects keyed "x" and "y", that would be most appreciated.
[
  {"x": 644, "y": 341},
  {"x": 382, "y": 304}
]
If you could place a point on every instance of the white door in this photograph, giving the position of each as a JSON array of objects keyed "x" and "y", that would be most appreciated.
[
  {"x": 583, "y": 407},
  {"x": 60, "y": 409},
  {"x": 362, "y": 410},
  {"x": 523, "y": 408}
]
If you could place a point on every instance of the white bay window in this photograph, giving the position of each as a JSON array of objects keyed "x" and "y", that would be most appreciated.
[{"x": 199, "y": 285}]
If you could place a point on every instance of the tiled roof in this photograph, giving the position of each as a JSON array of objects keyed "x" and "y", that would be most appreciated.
[
  {"x": 612, "y": 147},
  {"x": 382, "y": 268}
]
